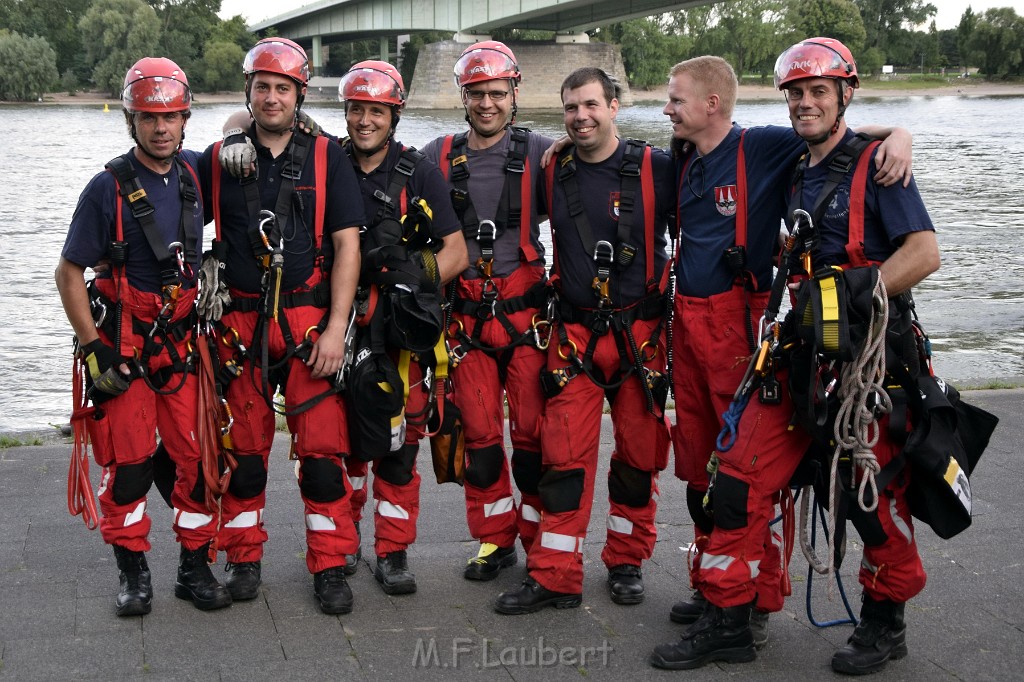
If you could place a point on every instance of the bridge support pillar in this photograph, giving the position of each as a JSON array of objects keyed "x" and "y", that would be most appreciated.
[
  {"x": 544, "y": 66},
  {"x": 572, "y": 38},
  {"x": 318, "y": 56}
]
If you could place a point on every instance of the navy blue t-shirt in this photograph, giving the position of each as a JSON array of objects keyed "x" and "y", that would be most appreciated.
[
  {"x": 426, "y": 182},
  {"x": 707, "y": 207},
  {"x": 890, "y": 213},
  {"x": 344, "y": 209},
  {"x": 94, "y": 223},
  {"x": 599, "y": 187}
]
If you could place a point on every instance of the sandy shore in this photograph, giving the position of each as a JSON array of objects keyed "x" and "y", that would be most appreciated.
[{"x": 747, "y": 92}]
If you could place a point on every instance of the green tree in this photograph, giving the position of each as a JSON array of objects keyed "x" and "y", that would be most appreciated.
[
  {"x": 997, "y": 43},
  {"x": 884, "y": 20},
  {"x": 839, "y": 19},
  {"x": 751, "y": 26},
  {"x": 55, "y": 21},
  {"x": 870, "y": 61},
  {"x": 649, "y": 50},
  {"x": 234, "y": 31},
  {"x": 185, "y": 27},
  {"x": 968, "y": 20},
  {"x": 222, "y": 66},
  {"x": 28, "y": 67},
  {"x": 116, "y": 33}
]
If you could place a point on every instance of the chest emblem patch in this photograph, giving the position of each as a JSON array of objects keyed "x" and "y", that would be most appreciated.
[{"x": 725, "y": 200}]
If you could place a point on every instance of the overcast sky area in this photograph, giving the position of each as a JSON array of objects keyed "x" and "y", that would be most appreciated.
[{"x": 948, "y": 16}]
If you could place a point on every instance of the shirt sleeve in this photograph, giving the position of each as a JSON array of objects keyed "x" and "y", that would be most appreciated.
[{"x": 344, "y": 200}]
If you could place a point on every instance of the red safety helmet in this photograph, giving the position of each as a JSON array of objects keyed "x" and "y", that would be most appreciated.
[
  {"x": 372, "y": 81},
  {"x": 280, "y": 56},
  {"x": 486, "y": 61},
  {"x": 816, "y": 58},
  {"x": 156, "y": 84}
]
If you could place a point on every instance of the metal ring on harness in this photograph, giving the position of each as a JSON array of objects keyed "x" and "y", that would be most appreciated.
[
  {"x": 231, "y": 338},
  {"x": 654, "y": 351},
  {"x": 309, "y": 332},
  {"x": 567, "y": 342}
]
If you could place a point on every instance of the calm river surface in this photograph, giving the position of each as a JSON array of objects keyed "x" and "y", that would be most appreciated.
[{"x": 967, "y": 166}]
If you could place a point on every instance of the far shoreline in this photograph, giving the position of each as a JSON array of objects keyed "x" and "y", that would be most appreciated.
[{"x": 747, "y": 92}]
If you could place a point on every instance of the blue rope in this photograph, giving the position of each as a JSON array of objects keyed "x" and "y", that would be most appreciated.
[{"x": 731, "y": 419}]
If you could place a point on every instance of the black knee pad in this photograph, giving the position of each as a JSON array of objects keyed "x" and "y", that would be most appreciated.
[
  {"x": 249, "y": 478},
  {"x": 561, "y": 490},
  {"x": 132, "y": 481},
  {"x": 484, "y": 467},
  {"x": 526, "y": 470},
  {"x": 396, "y": 467},
  {"x": 322, "y": 479},
  {"x": 628, "y": 485},
  {"x": 164, "y": 472},
  {"x": 700, "y": 516},
  {"x": 729, "y": 499},
  {"x": 198, "y": 493},
  {"x": 868, "y": 524}
]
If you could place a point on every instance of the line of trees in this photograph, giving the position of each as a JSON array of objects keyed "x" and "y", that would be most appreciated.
[{"x": 90, "y": 43}]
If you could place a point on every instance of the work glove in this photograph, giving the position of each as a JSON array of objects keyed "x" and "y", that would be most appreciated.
[
  {"x": 416, "y": 223},
  {"x": 306, "y": 124},
  {"x": 213, "y": 293},
  {"x": 103, "y": 364},
  {"x": 237, "y": 154}
]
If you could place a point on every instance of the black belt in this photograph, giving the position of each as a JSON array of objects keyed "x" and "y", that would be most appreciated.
[
  {"x": 318, "y": 297},
  {"x": 535, "y": 297},
  {"x": 650, "y": 308}
]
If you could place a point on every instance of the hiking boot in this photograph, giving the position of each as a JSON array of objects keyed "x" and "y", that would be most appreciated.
[
  {"x": 196, "y": 582},
  {"x": 244, "y": 581},
  {"x": 687, "y": 612},
  {"x": 880, "y": 636},
  {"x": 531, "y": 597},
  {"x": 393, "y": 573},
  {"x": 626, "y": 584},
  {"x": 489, "y": 561},
  {"x": 721, "y": 634},
  {"x": 332, "y": 590},
  {"x": 135, "y": 597},
  {"x": 352, "y": 560},
  {"x": 759, "y": 628}
]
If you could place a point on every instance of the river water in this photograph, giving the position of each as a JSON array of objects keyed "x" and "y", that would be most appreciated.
[{"x": 966, "y": 165}]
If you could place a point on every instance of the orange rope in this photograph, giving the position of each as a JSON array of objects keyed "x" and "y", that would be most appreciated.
[
  {"x": 81, "y": 499},
  {"x": 214, "y": 441}
]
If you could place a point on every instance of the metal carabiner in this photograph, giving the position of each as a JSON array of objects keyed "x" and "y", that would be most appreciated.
[{"x": 267, "y": 217}]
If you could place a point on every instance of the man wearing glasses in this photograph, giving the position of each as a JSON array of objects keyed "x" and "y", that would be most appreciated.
[{"x": 497, "y": 322}]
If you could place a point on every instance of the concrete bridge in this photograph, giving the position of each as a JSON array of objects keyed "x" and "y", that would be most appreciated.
[{"x": 544, "y": 65}]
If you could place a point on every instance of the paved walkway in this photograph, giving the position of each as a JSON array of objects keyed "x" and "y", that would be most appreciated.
[{"x": 58, "y": 581}]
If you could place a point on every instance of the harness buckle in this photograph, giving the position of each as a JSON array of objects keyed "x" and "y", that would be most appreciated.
[
  {"x": 99, "y": 311},
  {"x": 487, "y": 308}
]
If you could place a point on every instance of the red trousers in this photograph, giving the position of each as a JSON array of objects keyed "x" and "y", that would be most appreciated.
[
  {"x": 124, "y": 438},
  {"x": 319, "y": 440},
  {"x": 481, "y": 389},
  {"x": 570, "y": 436}
]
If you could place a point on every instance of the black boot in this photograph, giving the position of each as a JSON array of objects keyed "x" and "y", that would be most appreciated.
[
  {"x": 196, "y": 582},
  {"x": 879, "y": 636},
  {"x": 489, "y": 561},
  {"x": 531, "y": 596},
  {"x": 721, "y": 634},
  {"x": 688, "y": 611},
  {"x": 135, "y": 597},
  {"x": 393, "y": 573},
  {"x": 352, "y": 560},
  {"x": 626, "y": 584},
  {"x": 332, "y": 590},
  {"x": 244, "y": 581}
]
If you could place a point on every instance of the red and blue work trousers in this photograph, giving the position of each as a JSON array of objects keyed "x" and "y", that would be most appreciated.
[
  {"x": 319, "y": 440},
  {"x": 711, "y": 348},
  {"x": 570, "y": 438},
  {"x": 483, "y": 381},
  {"x": 123, "y": 435}
]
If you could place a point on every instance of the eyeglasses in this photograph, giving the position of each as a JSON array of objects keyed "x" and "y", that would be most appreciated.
[
  {"x": 495, "y": 95},
  {"x": 698, "y": 163}
]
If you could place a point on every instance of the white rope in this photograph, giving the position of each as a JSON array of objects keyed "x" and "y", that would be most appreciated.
[{"x": 863, "y": 401}]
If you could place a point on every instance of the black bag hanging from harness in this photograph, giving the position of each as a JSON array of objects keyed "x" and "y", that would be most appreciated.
[
  {"x": 376, "y": 405},
  {"x": 942, "y": 450},
  {"x": 411, "y": 303},
  {"x": 448, "y": 444}
]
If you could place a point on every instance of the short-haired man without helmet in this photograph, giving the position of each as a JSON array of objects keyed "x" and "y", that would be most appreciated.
[
  {"x": 396, "y": 182},
  {"x": 498, "y": 316},
  {"x": 765, "y": 454},
  {"x": 288, "y": 240},
  {"x": 147, "y": 284}
]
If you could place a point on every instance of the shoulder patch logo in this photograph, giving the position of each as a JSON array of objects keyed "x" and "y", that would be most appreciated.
[{"x": 613, "y": 205}]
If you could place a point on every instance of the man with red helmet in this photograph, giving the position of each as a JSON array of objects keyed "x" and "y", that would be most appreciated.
[
  {"x": 140, "y": 225},
  {"x": 408, "y": 206},
  {"x": 498, "y": 319},
  {"x": 767, "y": 450},
  {"x": 287, "y": 249}
]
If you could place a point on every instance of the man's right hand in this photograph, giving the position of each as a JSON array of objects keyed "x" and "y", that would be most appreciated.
[
  {"x": 110, "y": 376},
  {"x": 237, "y": 154}
]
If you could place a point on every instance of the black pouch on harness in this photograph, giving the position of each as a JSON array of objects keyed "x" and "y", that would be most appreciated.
[
  {"x": 943, "y": 448},
  {"x": 448, "y": 444},
  {"x": 376, "y": 409},
  {"x": 411, "y": 304}
]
